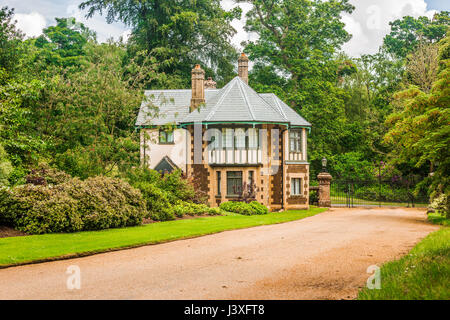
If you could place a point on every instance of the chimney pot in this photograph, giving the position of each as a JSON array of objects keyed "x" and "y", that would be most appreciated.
[
  {"x": 210, "y": 84},
  {"x": 243, "y": 67}
]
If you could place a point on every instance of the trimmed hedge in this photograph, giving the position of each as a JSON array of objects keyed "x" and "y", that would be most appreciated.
[
  {"x": 93, "y": 204},
  {"x": 248, "y": 209},
  {"x": 193, "y": 209}
]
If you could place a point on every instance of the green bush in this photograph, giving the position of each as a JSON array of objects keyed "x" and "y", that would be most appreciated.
[
  {"x": 173, "y": 184},
  {"x": 168, "y": 196},
  {"x": 194, "y": 209},
  {"x": 248, "y": 209},
  {"x": 159, "y": 203},
  {"x": 44, "y": 174},
  {"x": 5, "y": 167},
  {"x": 94, "y": 204},
  {"x": 259, "y": 208}
]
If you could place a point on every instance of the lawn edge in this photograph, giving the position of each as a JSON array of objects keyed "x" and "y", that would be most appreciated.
[
  {"x": 396, "y": 260},
  {"x": 138, "y": 245}
]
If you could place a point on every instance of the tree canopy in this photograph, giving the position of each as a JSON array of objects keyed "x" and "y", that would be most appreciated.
[
  {"x": 178, "y": 34},
  {"x": 408, "y": 32}
]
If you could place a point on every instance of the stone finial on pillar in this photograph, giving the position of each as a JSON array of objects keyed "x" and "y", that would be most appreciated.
[{"x": 324, "y": 189}]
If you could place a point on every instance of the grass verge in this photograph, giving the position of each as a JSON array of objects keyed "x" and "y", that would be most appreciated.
[
  {"x": 438, "y": 218},
  {"x": 47, "y": 247},
  {"x": 423, "y": 274}
]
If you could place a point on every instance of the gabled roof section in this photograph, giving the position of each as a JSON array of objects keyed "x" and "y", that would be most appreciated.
[
  {"x": 291, "y": 115},
  {"x": 166, "y": 164},
  {"x": 236, "y": 102}
]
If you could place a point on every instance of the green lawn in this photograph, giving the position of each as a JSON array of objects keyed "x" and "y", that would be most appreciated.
[
  {"x": 423, "y": 274},
  {"x": 17, "y": 250}
]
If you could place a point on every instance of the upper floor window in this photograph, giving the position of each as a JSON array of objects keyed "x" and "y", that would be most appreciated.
[
  {"x": 165, "y": 137},
  {"x": 253, "y": 138},
  {"x": 295, "y": 141},
  {"x": 239, "y": 138}
]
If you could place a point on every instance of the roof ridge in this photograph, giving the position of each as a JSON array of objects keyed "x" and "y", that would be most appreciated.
[
  {"x": 247, "y": 101},
  {"x": 221, "y": 98},
  {"x": 264, "y": 101},
  {"x": 279, "y": 106}
]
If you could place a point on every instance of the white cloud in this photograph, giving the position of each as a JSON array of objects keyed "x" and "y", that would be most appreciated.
[
  {"x": 31, "y": 24},
  {"x": 369, "y": 23},
  {"x": 98, "y": 24}
]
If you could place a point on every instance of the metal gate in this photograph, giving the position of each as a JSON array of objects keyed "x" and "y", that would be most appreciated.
[{"x": 398, "y": 193}]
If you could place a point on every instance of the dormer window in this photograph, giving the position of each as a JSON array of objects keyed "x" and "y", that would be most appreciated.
[{"x": 165, "y": 136}]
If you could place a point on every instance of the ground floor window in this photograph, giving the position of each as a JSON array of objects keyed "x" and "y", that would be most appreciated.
[
  {"x": 234, "y": 183},
  {"x": 296, "y": 186},
  {"x": 219, "y": 182}
]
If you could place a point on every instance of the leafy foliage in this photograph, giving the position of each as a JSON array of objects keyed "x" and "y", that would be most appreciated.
[
  {"x": 419, "y": 130},
  {"x": 248, "y": 209},
  {"x": 408, "y": 32},
  {"x": 10, "y": 41},
  {"x": 178, "y": 33},
  {"x": 94, "y": 204},
  {"x": 64, "y": 44}
]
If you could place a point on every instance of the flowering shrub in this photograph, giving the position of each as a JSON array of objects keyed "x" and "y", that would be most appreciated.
[
  {"x": 441, "y": 203},
  {"x": 94, "y": 204}
]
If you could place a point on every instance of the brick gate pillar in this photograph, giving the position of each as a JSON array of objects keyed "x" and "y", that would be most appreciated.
[{"x": 324, "y": 189}]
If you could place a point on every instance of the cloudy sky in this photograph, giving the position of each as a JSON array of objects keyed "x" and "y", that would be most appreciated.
[{"x": 368, "y": 23}]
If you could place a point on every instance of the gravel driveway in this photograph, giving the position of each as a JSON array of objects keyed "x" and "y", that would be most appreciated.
[{"x": 321, "y": 257}]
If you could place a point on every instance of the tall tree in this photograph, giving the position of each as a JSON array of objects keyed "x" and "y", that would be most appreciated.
[
  {"x": 63, "y": 45},
  {"x": 178, "y": 33},
  {"x": 408, "y": 32},
  {"x": 10, "y": 40},
  {"x": 88, "y": 115},
  {"x": 419, "y": 129}
]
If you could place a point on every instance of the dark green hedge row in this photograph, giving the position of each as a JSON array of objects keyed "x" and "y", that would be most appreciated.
[{"x": 248, "y": 209}]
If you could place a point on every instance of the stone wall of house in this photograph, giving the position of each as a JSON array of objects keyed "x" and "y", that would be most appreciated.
[{"x": 297, "y": 171}]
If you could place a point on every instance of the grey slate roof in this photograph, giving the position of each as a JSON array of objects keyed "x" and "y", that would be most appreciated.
[{"x": 236, "y": 102}]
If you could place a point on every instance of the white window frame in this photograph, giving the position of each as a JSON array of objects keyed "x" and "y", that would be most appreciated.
[{"x": 296, "y": 186}]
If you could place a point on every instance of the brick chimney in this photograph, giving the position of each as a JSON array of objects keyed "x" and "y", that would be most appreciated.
[
  {"x": 210, "y": 84},
  {"x": 198, "y": 87},
  {"x": 243, "y": 67}
]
